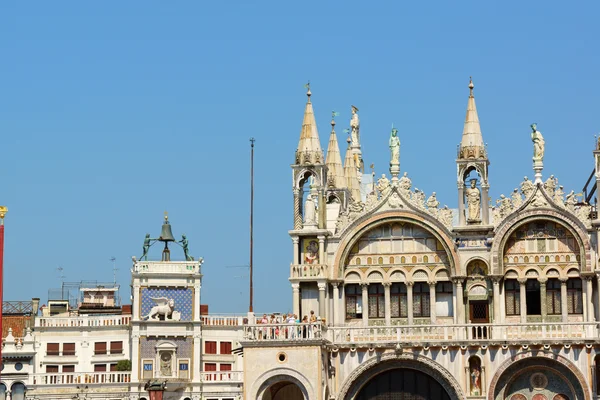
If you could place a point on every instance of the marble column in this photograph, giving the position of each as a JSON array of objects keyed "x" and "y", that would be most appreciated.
[
  {"x": 590, "y": 299},
  {"x": 322, "y": 287},
  {"x": 297, "y": 209},
  {"x": 523, "y": 299},
  {"x": 461, "y": 204},
  {"x": 336, "y": 303},
  {"x": 137, "y": 295},
  {"x": 296, "y": 250},
  {"x": 296, "y": 298},
  {"x": 598, "y": 297},
  {"x": 543, "y": 308},
  {"x": 454, "y": 302},
  {"x": 342, "y": 306},
  {"x": 432, "y": 311},
  {"x": 365, "y": 303},
  {"x": 460, "y": 306},
  {"x": 485, "y": 204},
  {"x": 496, "y": 291},
  {"x": 388, "y": 305},
  {"x": 321, "y": 250},
  {"x": 564, "y": 311},
  {"x": 409, "y": 302}
]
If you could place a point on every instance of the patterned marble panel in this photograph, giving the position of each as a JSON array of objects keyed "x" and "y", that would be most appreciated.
[
  {"x": 183, "y": 298},
  {"x": 148, "y": 346}
]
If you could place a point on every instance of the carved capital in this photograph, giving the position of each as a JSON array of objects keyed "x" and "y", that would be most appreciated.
[
  {"x": 522, "y": 281},
  {"x": 335, "y": 284},
  {"x": 563, "y": 281},
  {"x": 495, "y": 279},
  {"x": 364, "y": 286},
  {"x": 431, "y": 284},
  {"x": 295, "y": 287},
  {"x": 409, "y": 283},
  {"x": 322, "y": 286},
  {"x": 295, "y": 239},
  {"x": 387, "y": 284},
  {"x": 542, "y": 281}
]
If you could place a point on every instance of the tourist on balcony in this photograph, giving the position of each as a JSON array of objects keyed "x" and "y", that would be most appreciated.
[
  {"x": 262, "y": 333},
  {"x": 291, "y": 320},
  {"x": 305, "y": 327},
  {"x": 274, "y": 330}
]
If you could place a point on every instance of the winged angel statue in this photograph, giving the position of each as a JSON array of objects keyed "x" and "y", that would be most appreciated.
[{"x": 164, "y": 307}]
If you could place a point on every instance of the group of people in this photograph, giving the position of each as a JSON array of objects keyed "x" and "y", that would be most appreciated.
[{"x": 289, "y": 326}]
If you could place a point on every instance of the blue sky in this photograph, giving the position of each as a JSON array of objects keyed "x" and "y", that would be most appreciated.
[{"x": 113, "y": 112}]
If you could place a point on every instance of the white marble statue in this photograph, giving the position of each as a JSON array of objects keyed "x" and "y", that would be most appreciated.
[
  {"x": 394, "y": 147},
  {"x": 405, "y": 183},
  {"x": 517, "y": 200},
  {"x": 538, "y": 143},
  {"x": 164, "y": 307},
  {"x": 550, "y": 185},
  {"x": 383, "y": 185},
  {"x": 527, "y": 187},
  {"x": 310, "y": 210},
  {"x": 473, "y": 202},
  {"x": 432, "y": 202},
  {"x": 355, "y": 125}
]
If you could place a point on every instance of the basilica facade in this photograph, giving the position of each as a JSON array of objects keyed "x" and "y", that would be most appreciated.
[{"x": 493, "y": 300}]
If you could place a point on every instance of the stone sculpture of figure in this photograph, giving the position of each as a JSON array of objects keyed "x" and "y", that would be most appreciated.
[
  {"x": 527, "y": 187},
  {"x": 165, "y": 364},
  {"x": 445, "y": 216},
  {"x": 146, "y": 247},
  {"x": 517, "y": 200},
  {"x": 394, "y": 147},
  {"x": 473, "y": 202},
  {"x": 419, "y": 198},
  {"x": 558, "y": 196},
  {"x": 504, "y": 205},
  {"x": 184, "y": 243},
  {"x": 355, "y": 207},
  {"x": 383, "y": 185},
  {"x": 550, "y": 186},
  {"x": 405, "y": 183},
  {"x": 538, "y": 143},
  {"x": 355, "y": 125},
  {"x": 571, "y": 201},
  {"x": 432, "y": 202},
  {"x": 310, "y": 211}
]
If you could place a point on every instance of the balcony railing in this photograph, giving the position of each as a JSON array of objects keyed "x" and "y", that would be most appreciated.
[
  {"x": 222, "y": 320},
  {"x": 308, "y": 271},
  {"x": 284, "y": 332},
  {"x": 432, "y": 334},
  {"x": 161, "y": 267},
  {"x": 84, "y": 321},
  {"x": 222, "y": 376},
  {"x": 75, "y": 378}
]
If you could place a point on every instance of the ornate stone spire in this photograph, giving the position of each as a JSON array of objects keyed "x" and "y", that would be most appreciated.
[
  {"x": 350, "y": 173},
  {"x": 472, "y": 145},
  {"x": 309, "y": 147},
  {"x": 335, "y": 171}
]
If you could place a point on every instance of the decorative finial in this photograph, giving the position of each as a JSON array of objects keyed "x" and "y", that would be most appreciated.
[
  {"x": 333, "y": 115},
  {"x": 347, "y": 132},
  {"x": 3, "y": 211},
  {"x": 307, "y": 87},
  {"x": 166, "y": 215},
  {"x": 471, "y": 86}
]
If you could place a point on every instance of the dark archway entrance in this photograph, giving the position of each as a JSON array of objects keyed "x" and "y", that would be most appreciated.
[
  {"x": 402, "y": 384},
  {"x": 284, "y": 390}
]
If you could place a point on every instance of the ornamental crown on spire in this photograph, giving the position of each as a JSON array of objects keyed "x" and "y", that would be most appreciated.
[
  {"x": 471, "y": 145},
  {"x": 309, "y": 147}
]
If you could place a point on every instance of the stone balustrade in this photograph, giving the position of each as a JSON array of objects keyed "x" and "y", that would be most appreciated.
[
  {"x": 284, "y": 331},
  {"x": 222, "y": 376},
  {"x": 223, "y": 320},
  {"x": 308, "y": 271},
  {"x": 170, "y": 267},
  {"x": 105, "y": 321},
  {"x": 76, "y": 378}
]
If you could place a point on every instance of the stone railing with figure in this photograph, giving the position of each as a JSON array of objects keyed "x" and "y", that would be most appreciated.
[
  {"x": 222, "y": 377},
  {"x": 284, "y": 331},
  {"x": 466, "y": 333},
  {"x": 76, "y": 378},
  {"x": 171, "y": 267},
  {"x": 308, "y": 271},
  {"x": 109, "y": 321}
]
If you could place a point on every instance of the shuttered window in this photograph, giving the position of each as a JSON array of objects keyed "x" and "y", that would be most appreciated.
[
  {"x": 68, "y": 368},
  {"x": 225, "y": 347},
  {"x": 100, "y": 368},
  {"x": 210, "y": 366},
  {"x": 52, "y": 369},
  {"x": 116, "y": 347},
  {"x": 100, "y": 348},
  {"x": 113, "y": 367},
  {"x": 225, "y": 367},
  {"x": 210, "y": 348},
  {"x": 52, "y": 349},
  {"x": 68, "y": 349}
]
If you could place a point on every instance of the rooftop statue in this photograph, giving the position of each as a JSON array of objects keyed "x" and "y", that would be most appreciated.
[
  {"x": 355, "y": 125},
  {"x": 538, "y": 143},
  {"x": 473, "y": 203},
  {"x": 185, "y": 243},
  {"x": 147, "y": 243},
  {"x": 394, "y": 147}
]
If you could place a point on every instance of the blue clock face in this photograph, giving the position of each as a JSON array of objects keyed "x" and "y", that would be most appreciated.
[{"x": 18, "y": 366}]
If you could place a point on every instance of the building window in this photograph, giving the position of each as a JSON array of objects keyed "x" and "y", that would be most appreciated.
[
  {"x": 512, "y": 297},
  {"x": 353, "y": 301},
  {"x": 52, "y": 369},
  {"x": 116, "y": 347},
  {"x": 52, "y": 349},
  {"x": 553, "y": 297},
  {"x": 399, "y": 304},
  {"x": 225, "y": 347},
  {"x": 597, "y": 373},
  {"x": 99, "y": 367},
  {"x": 113, "y": 367},
  {"x": 210, "y": 347},
  {"x": 574, "y": 296},
  {"x": 18, "y": 366},
  {"x": 68, "y": 369},
  {"x": 376, "y": 301},
  {"x": 68, "y": 349},
  {"x": 225, "y": 367},
  {"x": 443, "y": 299},
  {"x": 100, "y": 348},
  {"x": 533, "y": 297},
  {"x": 210, "y": 366},
  {"x": 421, "y": 300}
]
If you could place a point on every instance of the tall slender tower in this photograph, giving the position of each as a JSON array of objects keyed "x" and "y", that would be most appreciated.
[{"x": 473, "y": 195}]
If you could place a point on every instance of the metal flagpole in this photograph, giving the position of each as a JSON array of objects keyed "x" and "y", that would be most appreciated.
[
  {"x": 252, "y": 140},
  {"x": 3, "y": 211}
]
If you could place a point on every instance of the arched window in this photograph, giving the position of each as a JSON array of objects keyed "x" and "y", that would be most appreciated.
[
  {"x": 353, "y": 301},
  {"x": 398, "y": 301},
  {"x": 512, "y": 297},
  {"x": 421, "y": 306},
  {"x": 376, "y": 301},
  {"x": 17, "y": 391},
  {"x": 553, "y": 297},
  {"x": 574, "y": 296}
]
